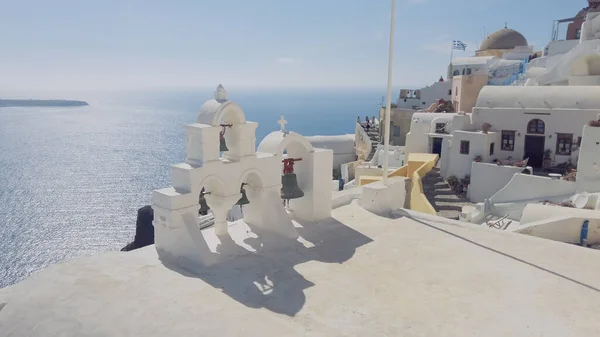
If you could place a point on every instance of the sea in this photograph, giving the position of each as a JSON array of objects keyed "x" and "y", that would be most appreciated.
[{"x": 72, "y": 179}]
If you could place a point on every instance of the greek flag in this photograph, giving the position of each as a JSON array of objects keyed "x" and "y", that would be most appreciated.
[{"x": 459, "y": 45}]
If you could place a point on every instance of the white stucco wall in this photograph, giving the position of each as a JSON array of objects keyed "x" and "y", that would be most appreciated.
[
  {"x": 395, "y": 156},
  {"x": 461, "y": 122},
  {"x": 383, "y": 199},
  {"x": 423, "y": 123},
  {"x": 524, "y": 187},
  {"x": 437, "y": 90},
  {"x": 479, "y": 64},
  {"x": 560, "y": 223},
  {"x": 343, "y": 146},
  {"x": 479, "y": 144},
  {"x": 588, "y": 165},
  {"x": 408, "y": 103},
  {"x": 561, "y": 71},
  {"x": 560, "y": 47},
  {"x": 488, "y": 179},
  {"x": 563, "y": 110},
  {"x": 429, "y": 95},
  {"x": 537, "y": 212}
]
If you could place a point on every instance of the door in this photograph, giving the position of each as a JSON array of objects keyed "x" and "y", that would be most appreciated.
[
  {"x": 436, "y": 146},
  {"x": 534, "y": 150}
]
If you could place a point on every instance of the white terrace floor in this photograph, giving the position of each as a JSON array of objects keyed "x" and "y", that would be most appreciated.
[{"x": 363, "y": 275}]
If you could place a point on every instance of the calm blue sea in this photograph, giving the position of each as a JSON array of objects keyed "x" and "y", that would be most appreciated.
[{"x": 72, "y": 179}]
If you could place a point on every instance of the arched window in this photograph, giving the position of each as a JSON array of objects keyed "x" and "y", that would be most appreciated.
[
  {"x": 536, "y": 126},
  {"x": 468, "y": 71},
  {"x": 456, "y": 73}
]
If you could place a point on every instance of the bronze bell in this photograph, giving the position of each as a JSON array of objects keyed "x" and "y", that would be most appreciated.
[
  {"x": 290, "y": 188},
  {"x": 244, "y": 199},
  {"x": 203, "y": 205},
  {"x": 223, "y": 146}
]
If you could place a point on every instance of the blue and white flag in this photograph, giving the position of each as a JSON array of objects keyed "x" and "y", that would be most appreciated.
[{"x": 459, "y": 45}]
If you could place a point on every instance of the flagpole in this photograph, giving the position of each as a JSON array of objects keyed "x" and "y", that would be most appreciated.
[
  {"x": 451, "y": 55},
  {"x": 388, "y": 104}
]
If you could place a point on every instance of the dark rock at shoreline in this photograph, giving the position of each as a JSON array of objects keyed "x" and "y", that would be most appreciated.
[
  {"x": 144, "y": 230},
  {"x": 40, "y": 103}
]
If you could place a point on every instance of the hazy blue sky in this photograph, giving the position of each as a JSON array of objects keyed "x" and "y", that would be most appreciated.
[{"x": 170, "y": 43}]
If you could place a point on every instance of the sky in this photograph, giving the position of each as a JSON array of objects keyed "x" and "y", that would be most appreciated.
[{"x": 108, "y": 44}]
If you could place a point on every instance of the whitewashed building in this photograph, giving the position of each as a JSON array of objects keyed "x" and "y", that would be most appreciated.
[
  {"x": 422, "y": 98},
  {"x": 527, "y": 127},
  {"x": 571, "y": 62}
]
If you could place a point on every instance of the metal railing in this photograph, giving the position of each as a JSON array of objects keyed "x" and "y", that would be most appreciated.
[{"x": 514, "y": 77}]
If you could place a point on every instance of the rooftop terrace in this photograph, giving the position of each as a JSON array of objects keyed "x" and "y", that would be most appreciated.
[{"x": 356, "y": 274}]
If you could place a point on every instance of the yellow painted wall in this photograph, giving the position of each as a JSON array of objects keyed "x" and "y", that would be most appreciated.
[
  {"x": 419, "y": 164},
  {"x": 418, "y": 201}
]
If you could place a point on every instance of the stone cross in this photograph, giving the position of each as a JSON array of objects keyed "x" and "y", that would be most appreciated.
[
  {"x": 282, "y": 122},
  {"x": 220, "y": 94}
]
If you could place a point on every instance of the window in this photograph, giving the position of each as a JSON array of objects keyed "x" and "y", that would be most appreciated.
[
  {"x": 396, "y": 131},
  {"x": 456, "y": 73},
  {"x": 440, "y": 127},
  {"x": 405, "y": 100},
  {"x": 564, "y": 141},
  {"x": 508, "y": 140},
  {"x": 578, "y": 34},
  {"x": 464, "y": 70},
  {"x": 536, "y": 126},
  {"x": 578, "y": 141},
  {"x": 468, "y": 71},
  {"x": 424, "y": 103},
  {"x": 449, "y": 92},
  {"x": 491, "y": 149},
  {"x": 464, "y": 146}
]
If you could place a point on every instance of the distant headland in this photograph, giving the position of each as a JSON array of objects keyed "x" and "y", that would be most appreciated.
[{"x": 40, "y": 103}]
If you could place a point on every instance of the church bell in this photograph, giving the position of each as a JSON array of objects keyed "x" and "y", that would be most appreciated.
[
  {"x": 223, "y": 145},
  {"x": 203, "y": 205},
  {"x": 290, "y": 188},
  {"x": 244, "y": 199}
]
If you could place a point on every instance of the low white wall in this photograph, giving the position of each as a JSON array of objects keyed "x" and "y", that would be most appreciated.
[
  {"x": 560, "y": 223},
  {"x": 537, "y": 212},
  {"x": 345, "y": 197},
  {"x": 347, "y": 170},
  {"x": 560, "y": 47},
  {"x": 564, "y": 229},
  {"x": 382, "y": 199},
  {"x": 529, "y": 187},
  {"x": 339, "y": 159},
  {"x": 395, "y": 156},
  {"x": 588, "y": 166},
  {"x": 488, "y": 179}
]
